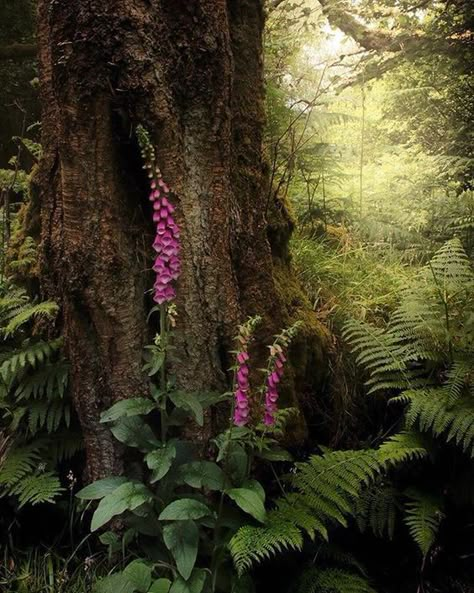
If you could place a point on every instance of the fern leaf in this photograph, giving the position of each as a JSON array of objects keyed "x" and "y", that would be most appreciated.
[
  {"x": 333, "y": 580},
  {"x": 46, "y": 309},
  {"x": 423, "y": 516}
]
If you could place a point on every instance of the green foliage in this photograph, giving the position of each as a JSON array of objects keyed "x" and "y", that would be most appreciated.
[
  {"x": 42, "y": 570},
  {"x": 423, "y": 516},
  {"x": 333, "y": 580},
  {"x": 34, "y": 401},
  {"x": 327, "y": 489},
  {"x": 344, "y": 278},
  {"x": 170, "y": 504},
  {"x": 424, "y": 358},
  {"x": 377, "y": 509}
]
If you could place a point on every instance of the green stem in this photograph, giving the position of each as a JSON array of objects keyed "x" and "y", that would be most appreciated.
[
  {"x": 214, "y": 561},
  {"x": 163, "y": 345}
]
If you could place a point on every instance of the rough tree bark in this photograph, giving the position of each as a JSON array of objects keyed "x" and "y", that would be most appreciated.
[{"x": 191, "y": 72}]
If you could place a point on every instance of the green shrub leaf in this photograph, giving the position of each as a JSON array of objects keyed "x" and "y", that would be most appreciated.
[
  {"x": 194, "y": 585},
  {"x": 160, "y": 461},
  {"x": 115, "y": 583},
  {"x": 249, "y": 501},
  {"x": 134, "y": 432},
  {"x": 183, "y": 509},
  {"x": 101, "y": 488},
  {"x": 202, "y": 474},
  {"x": 182, "y": 539},
  {"x": 126, "y": 497},
  {"x": 127, "y": 407},
  {"x": 139, "y": 574},
  {"x": 160, "y": 586},
  {"x": 189, "y": 403}
]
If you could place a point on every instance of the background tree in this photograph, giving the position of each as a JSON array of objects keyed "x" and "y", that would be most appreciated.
[{"x": 192, "y": 74}]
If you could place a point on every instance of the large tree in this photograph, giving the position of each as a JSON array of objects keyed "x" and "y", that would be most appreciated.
[{"x": 191, "y": 72}]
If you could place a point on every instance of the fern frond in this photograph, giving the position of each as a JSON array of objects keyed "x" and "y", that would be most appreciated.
[
  {"x": 251, "y": 545},
  {"x": 376, "y": 509},
  {"x": 49, "y": 381},
  {"x": 47, "y": 309},
  {"x": 37, "y": 488},
  {"x": 403, "y": 447},
  {"x": 423, "y": 516},
  {"x": 31, "y": 356},
  {"x": 333, "y": 580},
  {"x": 18, "y": 463},
  {"x": 48, "y": 415},
  {"x": 432, "y": 411},
  {"x": 451, "y": 265},
  {"x": 63, "y": 445}
]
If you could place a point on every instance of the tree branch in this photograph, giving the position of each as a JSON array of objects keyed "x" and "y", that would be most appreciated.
[
  {"x": 18, "y": 51},
  {"x": 338, "y": 15}
]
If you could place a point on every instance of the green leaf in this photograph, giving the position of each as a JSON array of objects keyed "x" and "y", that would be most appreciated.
[
  {"x": 275, "y": 455},
  {"x": 160, "y": 461},
  {"x": 110, "y": 539},
  {"x": 194, "y": 585},
  {"x": 236, "y": 461},
  {"x": 249, "y": 501},
  {"x": 128, "y": 496},
  {"x": 183, "y": 509},
  {"x": 160, "y": 586},
  {"x": 182, "y": 539},
  {"x": 101, "y": 488},
  {"x": 115, "y": 583},
  {"x": 255, "y": 487},
  {"x": 127, "y": 407},
  {"x": 188, "y": 402},
  {"x": 155, "y": 362},
  {"x": 139, "y": 574},
  {"x": 202, "y": 474},
  {"x": 134, "y": 432}
]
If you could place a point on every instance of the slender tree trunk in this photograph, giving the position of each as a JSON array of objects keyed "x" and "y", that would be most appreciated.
[{"x": 191, "y": 72}]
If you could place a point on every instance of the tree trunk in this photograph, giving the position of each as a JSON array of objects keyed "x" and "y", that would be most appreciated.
[{"x": 190, "y": 72}]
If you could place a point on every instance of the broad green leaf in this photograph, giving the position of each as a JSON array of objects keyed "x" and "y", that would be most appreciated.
[
  {"x": 101, "y": 488},
  {"x": 139, "y": 574},
  {"x": 155, "y": 362},
  {"x": 134, "y": 432},
  {"x": 188, "y": 402},
  {"x": 183, "y": 509},
  {"x": 111, "y": 539},
  {"x": 249, "y": 501},
  {"x": 235, "y": 461},
  {"x": 115, "y": 583},
  {"x": 182, "y": 539},
  {"x": 255, "y": 487},
  {"x": 202, "y": 474},
  {"x": 210, "y": 398},
  {"x": 160, "y": 586},
  {"x": 194, "y": 585},
  {"x": 128, "y": 407},
  {"x": 160, "y": 460},
  {"x": 126, "y": 497},
  {"x": 275, "y": 455}
]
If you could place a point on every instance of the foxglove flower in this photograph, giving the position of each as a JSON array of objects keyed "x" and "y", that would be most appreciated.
[
  {"x": 167, "y": 264},
  {"x": 241, "y": 411},
  {"x": 271, "y": 393}
]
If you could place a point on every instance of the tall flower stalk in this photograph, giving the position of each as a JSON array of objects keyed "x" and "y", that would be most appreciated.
[
  {"x": 275, "y": 369},
  {"x": 241, "y": 414},
  {"x": 167, "y": 263},
  {"x": 273, "y": 374}
]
